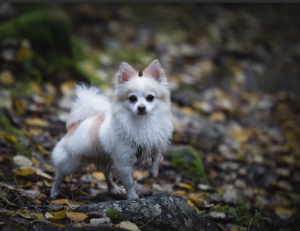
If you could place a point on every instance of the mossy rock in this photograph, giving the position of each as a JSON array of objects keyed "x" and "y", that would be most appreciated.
[
  {"x": 186, "y": 160},
  {"x": 49, "y": 34},
  {"x": 114, "y": 214}
]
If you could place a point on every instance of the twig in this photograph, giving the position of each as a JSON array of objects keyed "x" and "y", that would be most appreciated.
[
  {"x": 148, "y": 221},
  {"x": 250, "y": 224}
]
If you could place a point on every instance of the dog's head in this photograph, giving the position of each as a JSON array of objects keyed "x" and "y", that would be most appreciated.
[{"x": 142, "y": 95}]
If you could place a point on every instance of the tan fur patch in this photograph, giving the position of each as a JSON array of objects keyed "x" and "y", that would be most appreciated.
[
  {"x": 72, "y": 128},
  {"x": 95, "y": 128}
]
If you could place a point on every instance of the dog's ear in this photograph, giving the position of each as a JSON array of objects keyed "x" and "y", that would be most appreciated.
[
  {"x": 155, "y": 71},
  {"x": 125, "y": 73}
]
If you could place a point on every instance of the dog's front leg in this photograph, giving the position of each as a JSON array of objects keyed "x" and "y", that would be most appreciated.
[
  {"x": 124, "y": 173},
  {"x": 155, "y": 164}
]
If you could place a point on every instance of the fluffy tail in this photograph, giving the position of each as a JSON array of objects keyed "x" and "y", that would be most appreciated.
[{"x": 88, "y": 102}]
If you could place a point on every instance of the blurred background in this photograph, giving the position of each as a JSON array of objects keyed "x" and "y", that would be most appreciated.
[{"x": 234, "y": 79}]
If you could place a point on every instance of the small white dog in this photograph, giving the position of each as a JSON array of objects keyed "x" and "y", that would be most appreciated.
[{"x": 135, "y": 127}]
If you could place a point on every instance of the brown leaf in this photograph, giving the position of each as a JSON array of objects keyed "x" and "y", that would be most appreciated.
[{"x": 76, "y": 216}]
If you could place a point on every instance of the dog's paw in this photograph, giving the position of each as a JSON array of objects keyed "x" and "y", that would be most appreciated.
[
  {"x": 132, "y": 195},
  {"x": 117, "y": 190},
  {"x": 153, "y": 173},
  {"x": 53, "y": 194}
]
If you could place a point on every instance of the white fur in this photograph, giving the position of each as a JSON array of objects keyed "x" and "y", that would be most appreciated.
[{"x": 121, "y": 133}]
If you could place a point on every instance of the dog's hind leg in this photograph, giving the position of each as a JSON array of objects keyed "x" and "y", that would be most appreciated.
[{"x": 64, "y": 166}]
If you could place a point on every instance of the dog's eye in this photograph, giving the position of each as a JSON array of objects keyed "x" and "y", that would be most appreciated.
[
  {"x": 150, "y": 98},
  {"x": 132, "y": 99}
]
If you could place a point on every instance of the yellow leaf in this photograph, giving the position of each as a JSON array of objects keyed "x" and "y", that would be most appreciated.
[
  {"x": 196, "y": 199},
  {"x": 35, "y": 162},
  {"x": 58, "y": 215},
  {"x": 186, "y": 186},
  {"x": 23, "y": 54},
  {"x": 59, "y": 201},
  {"x": 68, "y": 87},
  {"x": 138, "y": 175},
  {"x": 36, "y": 122},
  {"x": 25, "y": 172},
  {"x": 37, "y": 216},
  {"x": 28, "y": 184},
  {"x": 12, "y": 139},
  {"x": 35, "y": 87},
  {"x": 43, "y": 151},
  {"x": 190, "y": 203},
  {"x": 42, "y": 196},
  {"x": 239, "y": 134},
  {"x": 23, "y": 213},
  {"x": 36, "y": 201},
  {"x": 98, "y": 176},
  {"x": 7, "y": 78},
  {"x": 284, "y": 213},
  {"x": 217, "y": 116},
  {"x": 19, "y": 105},
  {"x": 238, "y": 229},
  {"x": 188, "y": 111},
  {"x": 76, "y": 216},
  {"x": 58, "y": 225},
  {"x": 181, "y": 193},
  {"x": 117, "y": 225}
]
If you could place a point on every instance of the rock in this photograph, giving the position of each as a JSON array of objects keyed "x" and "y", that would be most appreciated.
[
  {"x": 186, "y": 160},
  {"x": 196, "y": 130},
  {"x": 95, "y": 228},
  {"x": 99, "y": 221},
  {"x": 162, "y": 210}
]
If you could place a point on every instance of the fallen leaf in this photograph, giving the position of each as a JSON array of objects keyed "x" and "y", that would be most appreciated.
[
  {"x": 58, "y": 225},
  {"x": 138, "y": 175},
  {"x": 217, "y": 116},
  {"x": 31, "y": 193},
  {"x": 23, "y": 213},
  {"x": 25, "y": 172},
  {"x": 36, "y": 122},
  {"x": 190, "y": 203},
  {"x": 60, "y": 201},
  {"x": 7, "y": 78},
  {"x": 22, "y": 161},
  {"x": 186, "y": 186},
  {"x": 284, "y": 213},
  {"x": 76, "y": 216},
  {"x": 12, "y": 139},
  {"x": 56, "y": 215},
  {"x": 36, "y": 216},
  {"x": 98, "y": 176},
  {"x": 43, "y": 151},
  {"x": 43, "y": 174},
  {"x": 129, "y": 226}
]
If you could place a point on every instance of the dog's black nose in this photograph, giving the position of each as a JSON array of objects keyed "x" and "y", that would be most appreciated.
[{"x": 141, "y": 108}]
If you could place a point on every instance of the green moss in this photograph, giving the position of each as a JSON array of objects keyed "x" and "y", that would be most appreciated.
[
  {"x": 8, "y": 128},
  {"x": 241, "y": 213},
  {"x": 48, "y": 32},
  {"x": 140, "y": 223},
  {"x": 114, "y": 214},
  {"x": 186, "y": 160},
  {"x": 20, "y": 147}
]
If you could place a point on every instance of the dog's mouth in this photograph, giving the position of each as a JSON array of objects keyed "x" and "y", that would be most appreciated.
[{"x": 142, "y": 113}]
